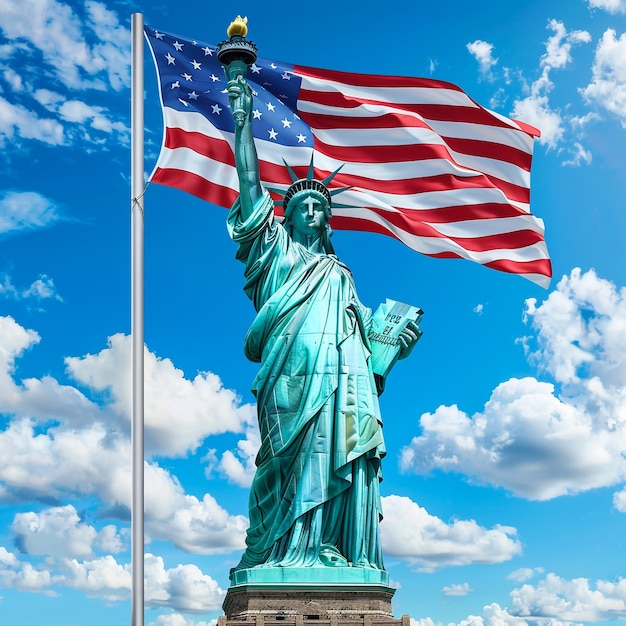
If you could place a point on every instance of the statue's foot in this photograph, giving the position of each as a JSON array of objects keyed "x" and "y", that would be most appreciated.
[{"x": 330, "y": 556}]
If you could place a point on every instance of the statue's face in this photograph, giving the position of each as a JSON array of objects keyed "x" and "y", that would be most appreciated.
[{"x": 308, "y": 215}]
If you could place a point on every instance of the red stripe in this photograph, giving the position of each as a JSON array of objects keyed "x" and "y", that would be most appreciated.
[
  {"x": 216, "y": 149},
  {"x": 539, "y": 266},
  {"x": 195, "y": 185}
]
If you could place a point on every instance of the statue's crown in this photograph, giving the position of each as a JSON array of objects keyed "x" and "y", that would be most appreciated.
[{"x": 308, "y": 184}]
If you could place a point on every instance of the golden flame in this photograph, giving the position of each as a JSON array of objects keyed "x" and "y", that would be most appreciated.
[{"x": 238, "y": 27}]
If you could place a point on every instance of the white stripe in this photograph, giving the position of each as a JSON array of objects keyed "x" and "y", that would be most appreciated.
[
  {"x": 487, "y": 227},
  {"x": 436, "y": 245}
]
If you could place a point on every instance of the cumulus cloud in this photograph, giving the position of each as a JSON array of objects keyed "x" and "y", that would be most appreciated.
[
  {"x": 182, "y": 588},
  {"x": 179, "y": 413},
  {"x": 26, "y": 210},
  {"x": 60, "y": 532},
  {"x": 607, "y": 89},
  {"x": 482, "y": 51},
  {"x": 612, "y": 6},
  {"x": 539, "y": 439},
  {"x": 409, "y": 532},
  {"x": 58, "y": 443},
  {"x": 236, "y": 466},
  {"x": 578, "y": 600}
]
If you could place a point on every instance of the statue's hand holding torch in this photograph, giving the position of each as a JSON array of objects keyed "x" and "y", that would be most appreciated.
[{"x": 237, "y": 54}]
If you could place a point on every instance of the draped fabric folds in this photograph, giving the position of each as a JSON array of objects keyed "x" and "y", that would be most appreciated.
[{"x": 315, "y": 498}]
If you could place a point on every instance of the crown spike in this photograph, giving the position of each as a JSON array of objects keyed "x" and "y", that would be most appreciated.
[
  {"x": 294, "y": 176},
  {"x": 332, "y": 175},
  {"x": 310, "y": 174}
]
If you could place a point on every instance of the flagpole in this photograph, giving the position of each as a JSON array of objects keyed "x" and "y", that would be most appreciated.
[{"x": 137, "y": 320}]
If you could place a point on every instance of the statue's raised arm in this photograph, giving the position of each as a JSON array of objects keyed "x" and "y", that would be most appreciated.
[{"x": 246, "y": 158}]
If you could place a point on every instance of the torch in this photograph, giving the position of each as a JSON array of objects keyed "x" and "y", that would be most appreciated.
[{"x": 237, "y": 54}]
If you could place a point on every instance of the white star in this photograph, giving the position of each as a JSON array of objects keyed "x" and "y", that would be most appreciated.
[
  {"x": 170, "y": 59},
  {"x": 213, "y": 77},
  {"x": 215, "y": 108},
  {"x": 178, "y": 46},
  {"x": 270, "y": 107},
  {"x": 175, "y": 85},
  {"x": 273, "y": 134},
  {"x": 186, "y": 76},
  {"x": 183, "y": 102},
  {"x": 194, "y": 42},
  {"x": 301, "y": 138},
  {"x": 256, "y": 114},
  {"x": 196, "y": 65},
  {"x": 193, "y": 95},
  {"x": 255, "y": 68},
  {"x": 158, "y": 35},
  {"x": 208, "y": 51},
  {"x": 286, "y": 123},
  {"x": 286, "y": 76},
  {"x": 273, "y": 66}
]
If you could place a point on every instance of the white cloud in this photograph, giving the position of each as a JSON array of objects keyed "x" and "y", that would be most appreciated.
[
  {"x": 533, "y": 441},
  {"x": 524, "y": 573},
  {"x": 483, "y": 53},
  {"x": 457, "y": 590},
  {"x": 572, "y": 600},
  {"x": 580, "y": 155},
  {"x": 26, "y": 210},
  {"x": 559, "y": 45},
  {"x": 57, "y": 445},
  {"x": 607, "y": 88},
  {"x": 409, "y": 532},
  {"x": 40, "y": 289},
  {"x": 15, "y": 574},
  {"x": 61, "y": 36},
  {"x": 619, "y": 500},
  {"x": 18, "y": 120},
  {"x": 612, "y": 6},
  {"x": 59, "y": 532},
  {"x": 535, "y": 108},
  {"x": 182, "y": 588},
  {"x": 55, "y": 532},
  {"x": 238, "y": 466},
  {"x": 202, "y": 406},
  {"x": 479, "y": 309}
]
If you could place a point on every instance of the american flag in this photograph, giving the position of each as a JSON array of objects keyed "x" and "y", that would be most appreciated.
[{"x": 425, "y": 163}]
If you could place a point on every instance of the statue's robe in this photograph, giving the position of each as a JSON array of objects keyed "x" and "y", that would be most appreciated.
[{"x": 316, "y": 488}]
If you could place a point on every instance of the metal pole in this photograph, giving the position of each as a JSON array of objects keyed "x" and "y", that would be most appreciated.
[{"x": 137, "y": 320}]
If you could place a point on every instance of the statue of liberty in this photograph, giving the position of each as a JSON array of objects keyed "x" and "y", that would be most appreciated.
[{"x": 315, "y": 497}]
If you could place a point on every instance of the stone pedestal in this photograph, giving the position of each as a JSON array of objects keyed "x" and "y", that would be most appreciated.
[{"x": 305, "y": 597}]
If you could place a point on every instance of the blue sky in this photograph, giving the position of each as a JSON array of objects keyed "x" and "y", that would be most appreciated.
[{"x": 504, "y": 491}]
